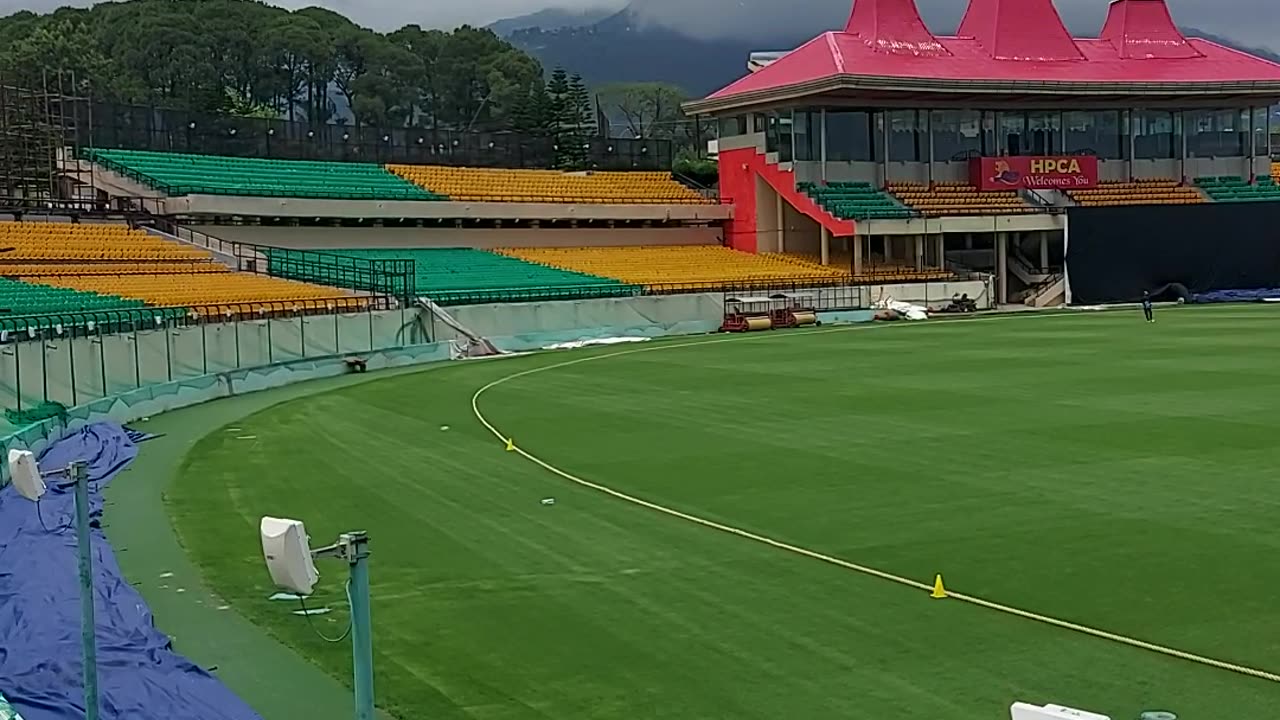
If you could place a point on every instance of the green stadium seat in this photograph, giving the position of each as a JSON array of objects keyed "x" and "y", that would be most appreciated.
[
  {"x": 1233, "y": 188},
  {"x": 855, "y": 200},
  {"x": 182, "y": 174},
  {"x": 465, "y": 275},
  {"x": 24, "y": 298}
]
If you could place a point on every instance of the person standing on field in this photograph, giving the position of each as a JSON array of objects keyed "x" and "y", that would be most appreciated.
[{"x": 1147, "y": 310}]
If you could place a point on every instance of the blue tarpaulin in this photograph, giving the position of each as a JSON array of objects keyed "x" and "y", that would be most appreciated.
[
  {"x": 1221, "y": 296},
  {"x": 140, "y": 677}
]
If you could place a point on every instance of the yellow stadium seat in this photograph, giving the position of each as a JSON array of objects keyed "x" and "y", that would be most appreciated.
[
  {"x": 549, "y": 186},
  {"x": 124, "y": 262},
  {"x": 1148, "y": 191},
  {"x": 692, "y": 266},
  {"x": 959, "y": 198},
  {"x": 842, "y": 264}
]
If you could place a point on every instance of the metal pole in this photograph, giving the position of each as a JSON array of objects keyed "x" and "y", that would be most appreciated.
[
  {"x": 80, "y": 473},
  {"x": 357, "y": 546}
]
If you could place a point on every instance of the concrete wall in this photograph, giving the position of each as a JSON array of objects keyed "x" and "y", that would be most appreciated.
[
  {"x": 329, "y": 237},
  {"x": 528, "y": 326},
  {"x": 936, "y": 294},
  {"x": 768, "y": 221},
  {"x": 802, "y": 233}
]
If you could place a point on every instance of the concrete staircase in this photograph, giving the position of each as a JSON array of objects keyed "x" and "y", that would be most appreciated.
[
  {"x": 1023, "y": 270},
  {"x": 1051, "y": 293}
]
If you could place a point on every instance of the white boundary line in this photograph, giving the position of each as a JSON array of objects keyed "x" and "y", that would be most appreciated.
[{"x": 812, "y": 554}]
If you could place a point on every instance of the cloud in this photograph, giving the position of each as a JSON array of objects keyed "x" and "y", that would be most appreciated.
[{"x": 1253, "y": 22}]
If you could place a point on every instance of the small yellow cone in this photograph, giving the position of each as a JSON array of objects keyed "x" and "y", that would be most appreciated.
[
  {"x": 939, "y": 591},
  {"x": 511, "y": 445}
]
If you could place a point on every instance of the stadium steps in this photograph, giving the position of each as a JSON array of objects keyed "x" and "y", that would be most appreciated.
[
  {"x": 784, "y": 183},
  {"x": 1051, "y": 293},
  {"x": 1023, "y": 270}
]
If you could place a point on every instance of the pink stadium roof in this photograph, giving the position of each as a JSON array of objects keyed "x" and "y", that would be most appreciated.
[{"x": 1014, "y": 42}]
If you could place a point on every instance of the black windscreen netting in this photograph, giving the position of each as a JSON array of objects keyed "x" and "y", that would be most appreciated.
[{"x": 1114, "y": 253}]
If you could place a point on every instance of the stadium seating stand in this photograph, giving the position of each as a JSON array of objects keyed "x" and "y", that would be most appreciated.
[
  {"x": 457, "y": 275},
  {"x": 689, "y": 266},
  {"x": 1233, "y": 188},
  {"x": 550, "y": 186},
  {"x": 855, "y": 200},
  {"x": 842, "y": 264},
  {"x": 959, "y": 198},
  {"x": 108, "y": 266},
  {"x": 1138, "y": 192},
  {"x": 182, "y": 174}
]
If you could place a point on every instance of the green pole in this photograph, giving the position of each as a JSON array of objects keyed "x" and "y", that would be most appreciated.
[
  {"x": 80, "y": 473},
  {"x": 357, "y": 546}
]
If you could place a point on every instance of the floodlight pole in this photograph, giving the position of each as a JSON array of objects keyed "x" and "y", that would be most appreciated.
[
  {"x": 80, "y": 475},
  {"x": 355, "y": 545}
]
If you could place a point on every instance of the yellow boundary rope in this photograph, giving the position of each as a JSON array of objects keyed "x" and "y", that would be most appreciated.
[{"x": 829, "y": 559}]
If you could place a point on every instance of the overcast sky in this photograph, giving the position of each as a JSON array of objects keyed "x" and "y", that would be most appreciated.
[{"x": 1254, "y": 22}]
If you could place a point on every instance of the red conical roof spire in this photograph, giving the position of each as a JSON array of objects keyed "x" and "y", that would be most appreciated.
[
  {"x": 893, "y": 26},
  {"x": 1144, "y": 29},
  {"x": 1019, "y": 30}
]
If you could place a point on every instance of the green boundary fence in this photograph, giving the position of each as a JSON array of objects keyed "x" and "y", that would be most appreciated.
[{"x": 74, "y": 360}]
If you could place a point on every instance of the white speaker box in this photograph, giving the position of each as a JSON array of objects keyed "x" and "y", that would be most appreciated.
[{"x": 288, "y": 554}]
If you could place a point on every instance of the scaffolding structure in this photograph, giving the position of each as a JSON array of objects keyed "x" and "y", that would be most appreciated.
[{"x": 36, "y": 125}]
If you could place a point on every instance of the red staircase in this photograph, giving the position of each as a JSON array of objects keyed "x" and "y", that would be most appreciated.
[{"x": 738, "y": 172}]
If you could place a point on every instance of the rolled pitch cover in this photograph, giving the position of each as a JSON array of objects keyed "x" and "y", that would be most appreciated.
[
  {"x": 759, "y": 323},
  {"x": 805, "y": 317}
]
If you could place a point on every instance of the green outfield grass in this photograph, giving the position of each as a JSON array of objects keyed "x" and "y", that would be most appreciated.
[{"x": 1088, "y": 467}]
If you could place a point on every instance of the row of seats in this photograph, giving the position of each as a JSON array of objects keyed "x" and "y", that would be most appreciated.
[
  {"x": 465, "y": 274},
  {"x": 959, "y": 198},
  {"x": 841, "y": 264},
  {"x": 550, "y": 186},
  {"x": 183, "y": 174},
  {"x": 24, "y": 298},
  {"x": 1137, "y": 192},
  {"x": 1232, "y": 188},
  {"x": 229, "y": 288},
  {"x": 38, "y": 241},
  {"x": 104, "y": 266},
  {"x": 855, "y": 200},
  {"x": 53, "y": 269},
  {"x": 667, "y": 265}
]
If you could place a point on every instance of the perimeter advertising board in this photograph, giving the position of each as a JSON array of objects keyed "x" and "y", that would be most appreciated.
[{"x": 1058, "y": 172}]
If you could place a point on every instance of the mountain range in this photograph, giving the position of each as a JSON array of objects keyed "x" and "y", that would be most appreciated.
[{"x": 616, "y": 46}]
